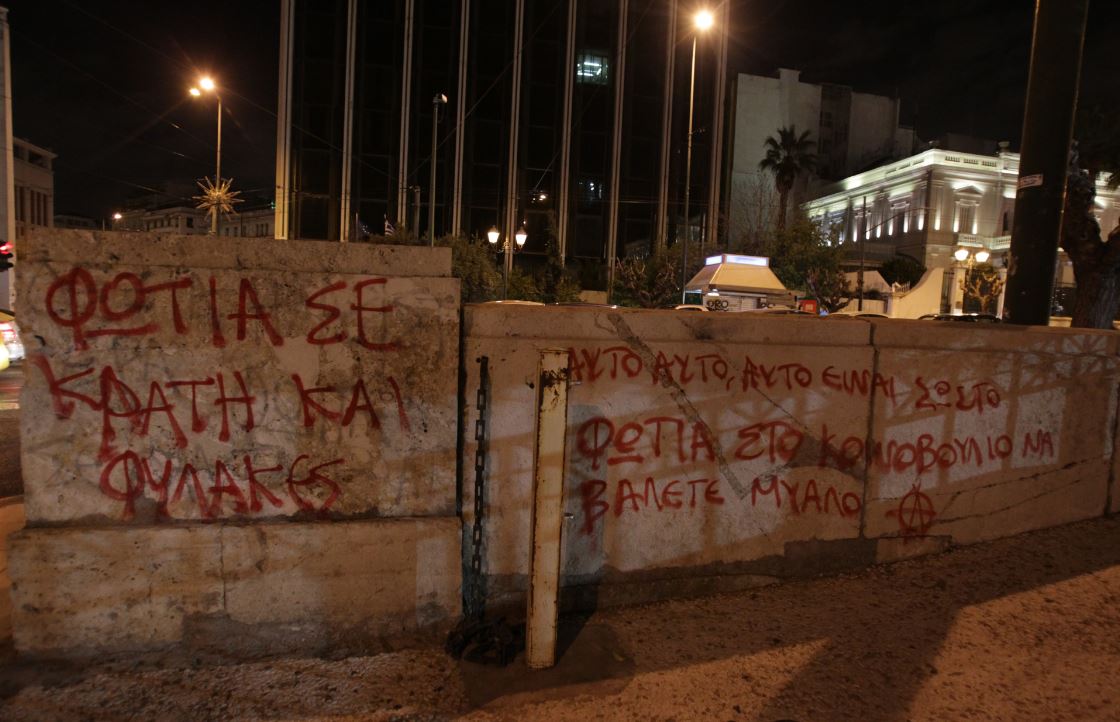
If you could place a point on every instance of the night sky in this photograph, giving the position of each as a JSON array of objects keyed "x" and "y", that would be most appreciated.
[{"x": 104, "y": 84}]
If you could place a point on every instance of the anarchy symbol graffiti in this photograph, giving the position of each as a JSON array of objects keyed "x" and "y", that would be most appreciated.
[{"x": 915, "y": 512}]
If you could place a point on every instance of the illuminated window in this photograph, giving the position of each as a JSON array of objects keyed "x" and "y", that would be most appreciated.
[{"x": 592, "y": 68}]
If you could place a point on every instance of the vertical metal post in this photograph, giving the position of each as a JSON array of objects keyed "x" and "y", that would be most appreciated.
[
  {"x": 548, "y": 508},
  {"x": 406, "y": 113},
  {"x": 284, "y": 123},
  {"x": 439, "y": 100},
  {"x": 716, "y": 175},
  {"x": 662, "y": 235},
  {"x": 512, "y": 190},
  {"x": 865, "y": 228},
  {"x": 688, "y": 175},
  {"x": 507, "y": 265},
  {"x": 616, "y": 144},
  {"x": 563, "y": 201},
  {"x": 1059, "y": 35},
  {"x": 460, "y": 118},
  {"x": 345, "y": 228},
  {"x": 217, "y": 172}
]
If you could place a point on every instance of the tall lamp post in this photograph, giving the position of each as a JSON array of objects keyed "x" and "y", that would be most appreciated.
[
  {"x": 437, "y": 101},
  {"x": 702, "y": 22},
  {"x": 206, "y": 83},
  {"x": 507, "y": 266}
]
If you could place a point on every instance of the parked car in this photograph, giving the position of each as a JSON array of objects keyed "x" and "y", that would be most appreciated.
[
  {"x": 961, "y": 317},
  {"x": 689, "y": 307},
  {"x": 9, "y": 336}
]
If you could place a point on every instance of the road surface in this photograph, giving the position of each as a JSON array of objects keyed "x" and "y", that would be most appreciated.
[{"x": 11, "y": 381}]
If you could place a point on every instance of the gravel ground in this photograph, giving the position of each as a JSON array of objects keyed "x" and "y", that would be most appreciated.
[{"x": 1024, "y": 628}]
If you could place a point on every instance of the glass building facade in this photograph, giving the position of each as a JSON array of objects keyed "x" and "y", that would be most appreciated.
[{"x": 570, "y": 116}]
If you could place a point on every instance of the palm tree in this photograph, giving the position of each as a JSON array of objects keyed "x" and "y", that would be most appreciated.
[{"x": 787, "y": 156}]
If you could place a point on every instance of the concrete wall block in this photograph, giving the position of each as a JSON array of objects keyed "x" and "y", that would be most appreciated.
[
  {"x": 86, "y": 590},
  {"x": 702, "y": 449},
  {"x": 979, "y": 445},
  {"x": 200, "y": 251},
  {"x": 81, "y": 591},
  {"x": 364, "y": 577},
  {"x": 135, "y": 406}
]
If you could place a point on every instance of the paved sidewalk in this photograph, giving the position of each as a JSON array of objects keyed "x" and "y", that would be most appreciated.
[
  {"x": 11, "y": 519},
  {"x": 1020, "y": 629}
]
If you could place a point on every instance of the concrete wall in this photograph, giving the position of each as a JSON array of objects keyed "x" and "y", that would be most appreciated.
[
  {"x": 234, "y": 432},
  {"x": 717, "y": 451}
]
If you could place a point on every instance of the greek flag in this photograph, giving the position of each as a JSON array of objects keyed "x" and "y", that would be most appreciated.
[{"x": 389, "y": 229}]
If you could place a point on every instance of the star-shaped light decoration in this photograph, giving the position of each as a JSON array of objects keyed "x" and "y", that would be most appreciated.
[{"x": 217, "y": 196}]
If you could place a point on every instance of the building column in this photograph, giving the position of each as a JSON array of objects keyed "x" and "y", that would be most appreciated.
[
  {"x": 956, "y": 292},
  {"x": 283, "y": 192},
  {"x": 616, "y": 143}
]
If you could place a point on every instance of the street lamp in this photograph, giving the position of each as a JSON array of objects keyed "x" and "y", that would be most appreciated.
[
  {"x": 507, "y": 266},
  {"x": 965, "y": 261},
  {"x": 207, "y": 83},
  {"x": 437, "y": 101},
  {"x": 702, "y": 21}
]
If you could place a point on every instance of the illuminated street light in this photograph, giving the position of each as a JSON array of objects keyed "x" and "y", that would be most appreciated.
[
  {"x": 117, "y": 216},
  {"x": 703, "y": 21},
  {"x": 217, "y": 196},
  {"x": 519, "y": 238}
]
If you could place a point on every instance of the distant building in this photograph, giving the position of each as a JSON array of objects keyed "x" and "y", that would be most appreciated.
[
  {"x": 931, "y": 204},
  {"x": 851, "y": 131},
  {"x": 188, "y": 220},
  {"x": 82, "y": 223},
  {"x": 34, "y": 187}
]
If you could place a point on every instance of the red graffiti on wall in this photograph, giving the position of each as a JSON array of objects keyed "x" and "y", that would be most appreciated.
[
  {"x": 915, "y": 512},
  {"x": 125, "y": 476},
  {"x": 844, "y": 504},
  {"x": 942, "y": 394},
  {"x": 74, "y": 301},
  {"x": 598, "y": 439},
  {"x": 922, "y": 455},
  {"x": 654, "y": 496}
]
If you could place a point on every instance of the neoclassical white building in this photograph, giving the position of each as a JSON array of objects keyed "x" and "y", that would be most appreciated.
[{"x": 931, "y": 205}]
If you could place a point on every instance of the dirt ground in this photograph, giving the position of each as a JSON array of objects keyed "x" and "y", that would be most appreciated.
[{"x": 1020, "y": 629}]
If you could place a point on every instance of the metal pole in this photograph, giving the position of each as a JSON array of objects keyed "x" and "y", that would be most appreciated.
[
  {"x": 688, "y": 174},
  {"x": 415, "y": 210},
  {"x": 217, "y": 173},
  {"x": 507, "y": 270},
  {"x": 548, "y": 508},
  {"x": 1059, "y": 35},
  {"x": 436, "y": 102},
  {"x": 862, "y": 255}
]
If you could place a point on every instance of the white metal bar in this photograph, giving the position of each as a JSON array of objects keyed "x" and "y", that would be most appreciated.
[
  {"x": 348, "y": 121},
  {"x": 662, "y": 235},
  {"x": 716, "y": 176},
  {"x": 563, "y": 201},
  {"x": 406, "y": 114},
  {"x": 512, "y": 194},
  {"x": 548, "y": 508},
  {"x": 460, "y": 119},
  {"x": 616, "y": 142},
  {"x": 283, "y": 193}
]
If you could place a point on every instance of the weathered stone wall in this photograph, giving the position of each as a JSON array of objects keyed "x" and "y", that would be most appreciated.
[
  {"x": 253, "y": 430},
  {"x": 716, "y": 451}
]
